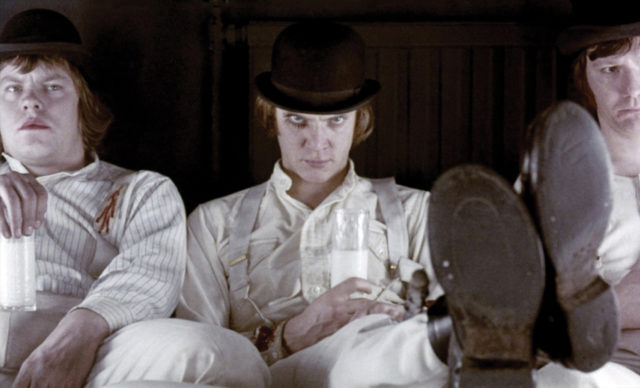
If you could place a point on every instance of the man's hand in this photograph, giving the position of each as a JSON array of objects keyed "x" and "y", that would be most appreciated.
[
  {"x": 332, "y": 310},
  {"x": 23, "y": 203},
  {"x": 66, "y": 356}
]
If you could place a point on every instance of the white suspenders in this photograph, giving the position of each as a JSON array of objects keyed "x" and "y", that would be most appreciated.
[
  {"x": 242, "y": 226},
  {"x": 393, "y": 215}
]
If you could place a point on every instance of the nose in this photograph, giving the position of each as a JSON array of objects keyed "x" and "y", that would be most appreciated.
[
  {"x": 633, "y": 83},
  {"x": 30, "y": 101},
  {"x": 318, "y": 137}
]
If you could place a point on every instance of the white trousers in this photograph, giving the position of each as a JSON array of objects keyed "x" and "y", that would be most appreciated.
[
  {"x": 176, "y": 350},
  {"x": 373, "y": 351}
]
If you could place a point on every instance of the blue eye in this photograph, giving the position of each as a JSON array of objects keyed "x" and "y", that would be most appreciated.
[
  {"x": 337, "y": 120},
  {"x": 296, "y": 120}
]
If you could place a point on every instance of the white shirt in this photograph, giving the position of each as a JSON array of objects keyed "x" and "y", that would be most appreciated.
[
  {"x": 113, "y": 237},
  {"x": 285, "y": 231},
  {"x": 620, "y": 248}
]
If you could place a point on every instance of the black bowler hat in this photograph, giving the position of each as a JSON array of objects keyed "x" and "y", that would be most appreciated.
[
  {"x": 317, "y": 67},
  {"x": 42, "y": 32},
  {"x": 597, "y": 22}
]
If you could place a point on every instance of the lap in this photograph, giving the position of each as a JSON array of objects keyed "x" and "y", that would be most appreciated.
[
  {"x": 372, "y": 351},
  {"x": 178, "y": 350},
  {"x": 609, "y": 375}
]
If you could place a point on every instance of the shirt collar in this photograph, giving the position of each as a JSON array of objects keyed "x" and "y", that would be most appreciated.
[
  {"x": 17, "y": 166},
  {"x": 282, "y": 181}
]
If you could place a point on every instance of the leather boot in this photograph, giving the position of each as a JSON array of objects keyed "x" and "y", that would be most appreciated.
[
  {"x": 565, "y": 176},
  {"x": 439, "y": 328},
  {"x": 488, "y": 258}
]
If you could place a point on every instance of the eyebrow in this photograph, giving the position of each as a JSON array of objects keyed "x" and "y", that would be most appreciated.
[
  {"x": 49, "y": 78},
  {"x": 322, "y": 117}
]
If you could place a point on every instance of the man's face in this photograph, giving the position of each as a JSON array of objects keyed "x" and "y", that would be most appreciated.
[
  {"x": 39, "y": 118},
  {"x": 615, "y": 83},
  {"x": 314, "y": 148}
]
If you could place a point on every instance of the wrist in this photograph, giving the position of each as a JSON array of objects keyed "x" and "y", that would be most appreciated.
[{"x": 270, "y": 342}]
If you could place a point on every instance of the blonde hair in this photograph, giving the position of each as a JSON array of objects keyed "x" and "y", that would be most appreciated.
[
  {"x": 93, "y": 115},
  {"x": 265, "y": 114}
]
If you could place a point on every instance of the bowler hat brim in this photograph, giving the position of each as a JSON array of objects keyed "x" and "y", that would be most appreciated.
[
  {"x": 74, "y": 53},
  {"x": 580, "y": 37},
  {"x": 286, "y": 101}
]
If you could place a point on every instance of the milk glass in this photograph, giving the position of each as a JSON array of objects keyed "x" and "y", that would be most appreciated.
[
  {"x": 349, "y": 245},
  {"x": 17, "y": 274},
  {"x": 315, "y": 272}
]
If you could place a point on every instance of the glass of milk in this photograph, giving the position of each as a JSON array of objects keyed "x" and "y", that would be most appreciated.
[
  {"x": 17, "y": 273},
  {"x": 349, "y": 244},
  {"x": 315, "y": 272}
]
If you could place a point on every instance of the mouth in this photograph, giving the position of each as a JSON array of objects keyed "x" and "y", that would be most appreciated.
[
  {"x": 316, "y": 163},
  {"x": 34, "y": 124}
]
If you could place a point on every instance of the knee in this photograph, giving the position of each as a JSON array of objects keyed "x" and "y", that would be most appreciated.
[{"x": 210, "y": 353}]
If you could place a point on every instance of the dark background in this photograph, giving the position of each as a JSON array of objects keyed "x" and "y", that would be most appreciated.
[{"x": 461, "y": 80}]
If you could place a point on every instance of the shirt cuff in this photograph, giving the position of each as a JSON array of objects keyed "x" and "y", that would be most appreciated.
[
  {"x": 116, "y": 315},
  {"x": 270, "y": 342}
]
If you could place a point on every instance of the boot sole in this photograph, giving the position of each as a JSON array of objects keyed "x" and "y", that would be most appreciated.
[
  {"x": 489, "y": 260},
  {"x": 569, "y": 173}
]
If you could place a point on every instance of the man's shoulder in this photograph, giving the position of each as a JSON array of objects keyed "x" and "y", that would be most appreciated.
[
  {"x": 112, "y": 172},
  {"x": 223, "y": 204},
  {"x": 403, "y": 190}
]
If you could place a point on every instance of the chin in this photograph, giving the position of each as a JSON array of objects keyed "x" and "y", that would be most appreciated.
[{"x": 317, "y": 177}]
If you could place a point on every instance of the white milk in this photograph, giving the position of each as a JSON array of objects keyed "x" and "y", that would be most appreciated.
[
  {"x": 348, "y": 263},
  {"x": 17, "y": 274}
]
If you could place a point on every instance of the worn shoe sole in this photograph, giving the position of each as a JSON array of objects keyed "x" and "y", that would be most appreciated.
[
  {"x": 567, "y": 175},
  {"x": 489, "y": 260}
]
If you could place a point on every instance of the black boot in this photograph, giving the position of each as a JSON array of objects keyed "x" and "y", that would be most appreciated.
[
  {"x": 565, "y": 179},
  {"x": 439, "y": 328},
  {"x": 488, "y": 258}
]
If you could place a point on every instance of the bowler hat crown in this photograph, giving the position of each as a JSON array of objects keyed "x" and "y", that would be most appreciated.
[
  {"x": 597, "y": 22},
  {"x": 317, "y": 67},
  {"x": 42, "y": 32}
]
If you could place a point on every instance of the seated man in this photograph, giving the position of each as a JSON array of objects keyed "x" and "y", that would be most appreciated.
[
  {"x": 110, "y": 243},
  {"x": 250, "y": 252},
  {"x": 605, "y": 47}
]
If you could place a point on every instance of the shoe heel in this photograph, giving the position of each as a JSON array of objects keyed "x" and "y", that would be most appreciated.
[
  {"x": 592, "y": 332},
  {"x": 491, "y": 377}
]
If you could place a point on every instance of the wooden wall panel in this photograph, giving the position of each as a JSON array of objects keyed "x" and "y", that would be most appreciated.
[{"x": 483, "y": 106}]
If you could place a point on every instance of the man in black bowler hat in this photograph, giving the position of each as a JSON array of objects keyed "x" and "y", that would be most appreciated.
[
  {"x": 259, "y": 259},
  {"x": 110, "y": 243},
  {"x": 604, "y": 46}
]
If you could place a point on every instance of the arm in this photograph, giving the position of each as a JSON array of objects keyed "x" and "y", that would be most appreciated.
[
  {"x": 143, "y": 280},
  {"x": 205, "y": 293},
  {"x": 24, "y": 203},
  {"x": 66, "y": 356}
]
